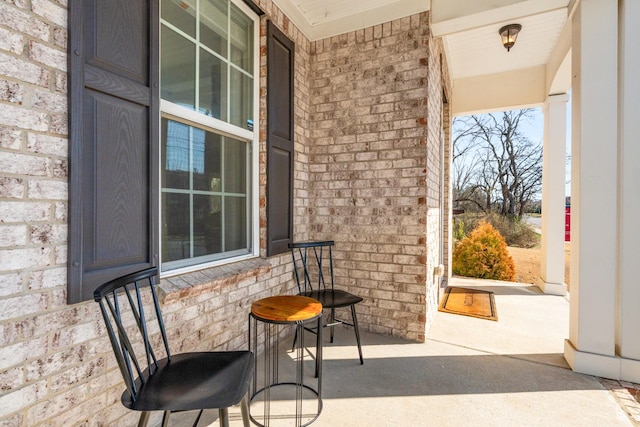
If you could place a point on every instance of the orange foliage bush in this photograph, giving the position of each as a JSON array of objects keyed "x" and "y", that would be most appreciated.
[{"x": 483, "y": 254}]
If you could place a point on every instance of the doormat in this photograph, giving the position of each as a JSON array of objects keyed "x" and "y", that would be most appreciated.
[{"x": 469, "y": 302}]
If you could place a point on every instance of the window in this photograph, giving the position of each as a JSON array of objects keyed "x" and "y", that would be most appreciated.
[
  {"x": 208, "y": 91},
  {"x": 151, "y": 179}
]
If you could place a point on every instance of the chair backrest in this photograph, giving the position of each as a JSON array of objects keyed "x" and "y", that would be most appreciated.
[
  {"x": 313, "y": 265},
  {"x": 122, "y": 303}
]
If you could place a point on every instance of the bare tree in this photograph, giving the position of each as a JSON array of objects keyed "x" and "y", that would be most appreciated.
[
  {"x": 496, "y": 164},
  {"x": 465, "y": 167}
]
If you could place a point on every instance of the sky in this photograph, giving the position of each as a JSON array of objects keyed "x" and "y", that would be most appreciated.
[{"x": 534, "y": 128}]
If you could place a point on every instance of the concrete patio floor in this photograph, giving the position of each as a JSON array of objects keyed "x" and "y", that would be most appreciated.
[{"x": 469, "y": 371}]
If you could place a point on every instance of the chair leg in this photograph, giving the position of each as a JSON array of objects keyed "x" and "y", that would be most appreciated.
[
  {"x": 295, "y": 339},
  {"x": 195, "y": 423},
  {"x": 144, "y": 419},
  {"x": 224, "y": 417},
  {"x": 165, "y": 418},
  {"x": 244, "y": 407},
  {"x": 318, "y": 344},
  {"x": 331, "y": 322},
  {"x": 355, "y": 327}
]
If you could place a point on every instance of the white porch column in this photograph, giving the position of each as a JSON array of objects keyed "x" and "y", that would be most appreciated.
[
  {"x": 553, "y": 195},
  {"x": 629, "y": 191},
  {"x": 603, "y": 337},
  {"x": 594, "y": 162}
]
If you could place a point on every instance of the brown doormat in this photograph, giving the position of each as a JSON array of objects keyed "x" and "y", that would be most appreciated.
[{"x": 469, "y": 302}]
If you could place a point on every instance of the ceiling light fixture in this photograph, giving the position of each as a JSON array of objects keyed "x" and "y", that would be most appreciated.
[{"x": 509, "y": 34}]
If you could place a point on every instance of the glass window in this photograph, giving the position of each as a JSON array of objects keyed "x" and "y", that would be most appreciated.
[
  {"x": 178, "y": 69},
  {"x": 208, "y": 96},
  {"x": 214, "y": 25},
  {"x": 213, "y": 86},
  {"x": 241, "y": 39},
  {"x": 182, "y": 15}
]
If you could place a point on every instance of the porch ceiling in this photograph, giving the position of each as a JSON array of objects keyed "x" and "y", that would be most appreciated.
[
  {"x": 479, "y": 51},
  {"x": 319, "y": 19},
  {"x": 469, "y": 29}
]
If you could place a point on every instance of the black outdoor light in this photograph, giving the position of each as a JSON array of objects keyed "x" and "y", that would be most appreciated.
[{"x": 509, "y": 33}]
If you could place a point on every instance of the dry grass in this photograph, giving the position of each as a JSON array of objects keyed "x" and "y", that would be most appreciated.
[{"x": 528, "y": 263}]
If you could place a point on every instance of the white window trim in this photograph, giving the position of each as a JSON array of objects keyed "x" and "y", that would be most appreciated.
[
  {"x": 193, "y": 118},
  {"x": 169, "y": 109}
]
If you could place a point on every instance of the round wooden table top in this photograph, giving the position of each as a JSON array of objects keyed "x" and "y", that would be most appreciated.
[{"x": 286, "y": 308}]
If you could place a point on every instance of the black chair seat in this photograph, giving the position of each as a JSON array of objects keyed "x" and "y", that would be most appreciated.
[
  {"x": 333, "y": 298},
  {"x": 194, "y": 381}
]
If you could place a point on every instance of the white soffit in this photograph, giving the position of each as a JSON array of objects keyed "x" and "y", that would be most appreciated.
[
  {"x": 450, "y": 17},
  {"x": 479, "y": 51},
  {"x": 319, "y": 19}
]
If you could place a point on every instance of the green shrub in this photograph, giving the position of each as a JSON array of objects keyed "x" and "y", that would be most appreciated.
[
  {"x": 515, "y": 232},
  {"x": 483, "y": 254}
]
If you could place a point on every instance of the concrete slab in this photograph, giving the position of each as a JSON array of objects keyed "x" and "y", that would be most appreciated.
[{"x": 469, "y": 371}]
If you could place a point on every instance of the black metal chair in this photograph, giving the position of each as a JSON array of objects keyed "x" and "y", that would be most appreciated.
[
  {"x": 313, "y": 268},
  {"x": 155, "y": 379}
]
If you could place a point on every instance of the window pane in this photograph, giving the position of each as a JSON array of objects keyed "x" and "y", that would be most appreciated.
[
  {"x": 241, "y": 40},
  {"x": 235, "y": 160},
  {"x": 213, "y": 25},
  {"x": 207, "y": 222},
  {"x": 235, "y": 223},
  {"x": 208, "y": 176},
  {"x": 204, "y": 193},
  {"x": 176, "y": 142},
  {"x": 181, "y": 14},
  {"x": 241, "y": 87},
  {"x": 176, "y": 241},
  {"x": 213, "y": 86},
  {"x": 178, "y": 69}
]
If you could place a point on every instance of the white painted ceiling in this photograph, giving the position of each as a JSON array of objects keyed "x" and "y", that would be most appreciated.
[
  {"x": 319, "y": 19},
  {"x": 469, "y": 28},
  {"x": 479, "y": 51},
  {"x": 319, "y": 12}
]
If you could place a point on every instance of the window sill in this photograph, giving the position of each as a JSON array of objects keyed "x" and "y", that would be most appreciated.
[{"x": 191, "y": 284}]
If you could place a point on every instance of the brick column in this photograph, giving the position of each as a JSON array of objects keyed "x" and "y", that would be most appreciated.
[{"x": 373, "y": 161}]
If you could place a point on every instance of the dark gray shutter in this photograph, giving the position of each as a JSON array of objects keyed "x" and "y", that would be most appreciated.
[
  {"x": 114, "y": 127},
  {"x": 280, "y": 60}
]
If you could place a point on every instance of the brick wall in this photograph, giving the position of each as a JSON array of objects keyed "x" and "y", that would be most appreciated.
[
  {"x": 374, "y": 164},
  {"x": 365, "y": 158},
  {"x": 447, "y": 231},
  {"x": 56, "y": 364},
  {"x": 448, "y": 196},
  {"x": 41, "y": 339},
  {"x": 436, "y": 145}
]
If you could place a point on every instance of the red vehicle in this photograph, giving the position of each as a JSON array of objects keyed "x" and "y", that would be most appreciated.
[{"x": 567, "y": 223}]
